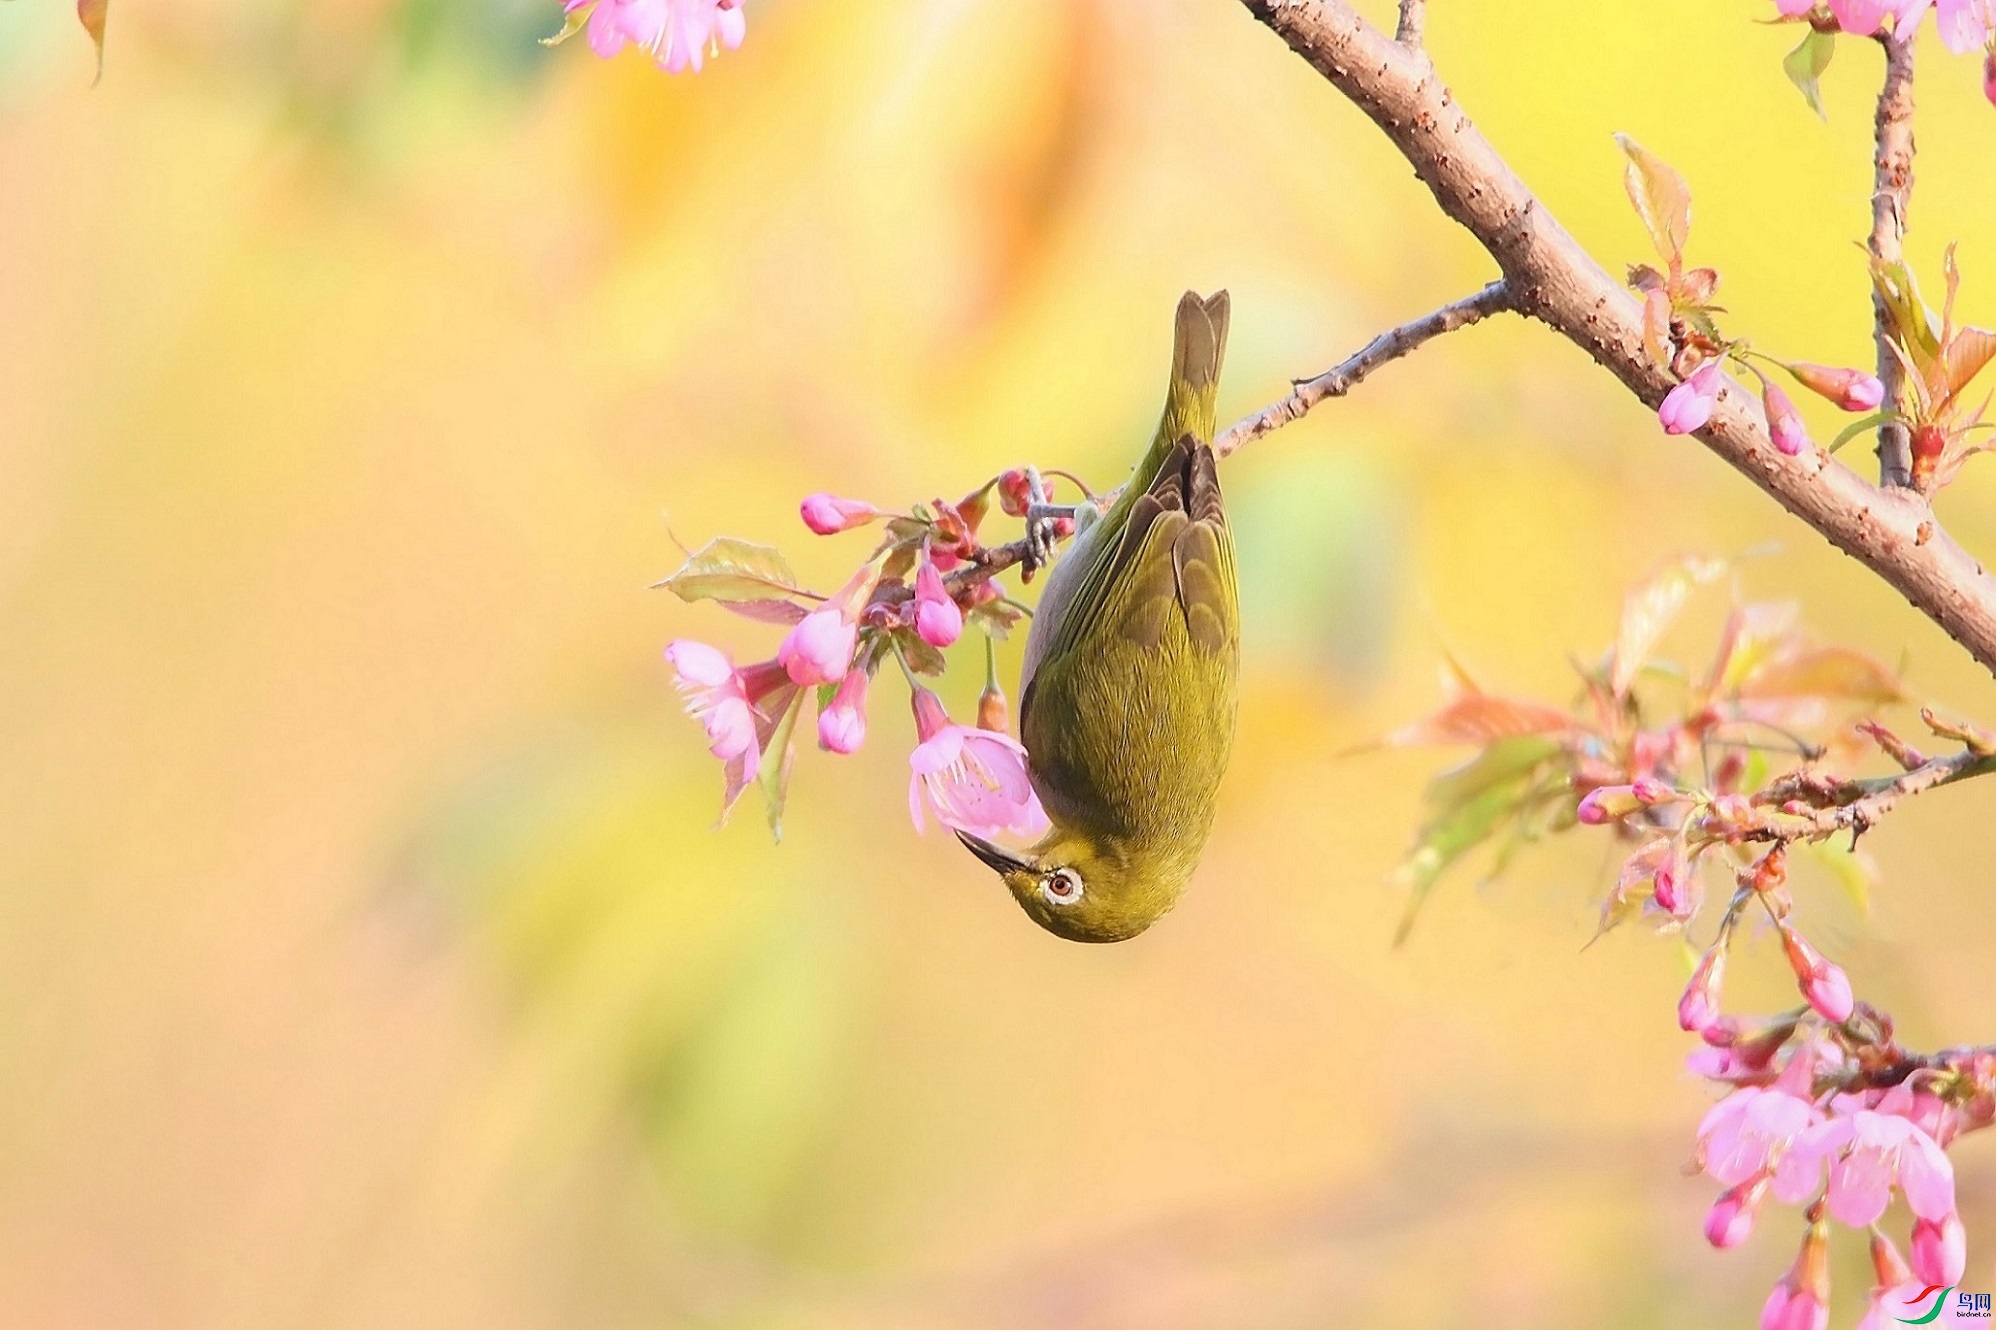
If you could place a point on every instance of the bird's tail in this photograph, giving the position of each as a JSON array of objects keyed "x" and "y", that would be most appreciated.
[{"x": 1198, "y": 343}]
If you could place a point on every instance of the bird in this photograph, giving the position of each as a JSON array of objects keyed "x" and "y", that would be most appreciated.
[{"x": 1129, "y": 687}]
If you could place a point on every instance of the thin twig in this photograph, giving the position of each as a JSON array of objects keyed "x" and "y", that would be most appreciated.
[
  {"x": 1553, "y": 279},
  {"x": 1413, "y": 17},
  {"x": 1341, "y": 379},
  {"x": 1891, "y": 197}
]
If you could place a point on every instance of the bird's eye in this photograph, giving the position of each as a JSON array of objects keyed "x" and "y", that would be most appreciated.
[{"x": 1061, "y": 887}]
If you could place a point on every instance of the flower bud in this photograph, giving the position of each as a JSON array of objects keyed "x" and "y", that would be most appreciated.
[
  {"x": 1698, "y": 1009},
  {"x": 819, "y": 649},
  {"x": 937, "y": 618},
  {"x": 1989, "y": 76},
  {"x": 991, "y": 709},
  {"x": 1015, "y": 493},
  {"x": 1772, "y": 870},
  {"x": 1823, "y": 982},
  {"x": 1689, "y": 405},
  {"x": 842, "y": 725},
  {"x": 1851, "y": 389},
  {"x": 1784, "y": 422},
  {"x": 828, "y": 514},
  {"x": 1606, "y": 803},
  {"x": 1889, "y": 1269},
  {"x": 1801, "y": 1301},
  {"x": 1731, "y": 1219},
  {"x": 1652, "y": 791},
  {"x": 972, "y": 507},
  {"x": 1940, "y": 1250}
]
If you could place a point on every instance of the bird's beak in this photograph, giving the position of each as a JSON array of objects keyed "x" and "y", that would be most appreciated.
[{"x": 995, "y": 857}]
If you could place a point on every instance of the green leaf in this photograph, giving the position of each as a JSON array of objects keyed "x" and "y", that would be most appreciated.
[
  {"x": 1850, "y": 869},
  {"x": 1832, "y": 673},
  {"x": 1662, "y": 199},
  {"x": 733, "y": 570},
  {"x": 1907, "y": 316},
  {"x": 1849, "y": 432},
  {"x": 995, "y": 618},
  {"x": 921, "y": 657},
  {"x": 1805, "y": 65},
  {"x": 1450, "y": 834},
  {"x": 779, "y": 757}
]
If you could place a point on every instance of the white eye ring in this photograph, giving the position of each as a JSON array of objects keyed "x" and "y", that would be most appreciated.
[{"x": 1061, "y": 887}]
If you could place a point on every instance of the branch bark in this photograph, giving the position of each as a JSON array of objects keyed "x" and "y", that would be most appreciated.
[
  {"x": 1552, "y": 279},
  {"x": 1891, "y": 198},
  {"x": 1413, "y": 17},
  {"x": 1342, "y": 378}
]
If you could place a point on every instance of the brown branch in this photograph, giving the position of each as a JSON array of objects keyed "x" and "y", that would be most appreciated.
[
  {"x": 1859, "y": 805},
  {"x": 1341, "y": 379},
  {"x": 1552, "y": 279},
  {"x": 1413, "y": 17},
  {"x": 1891, "y": 197}
]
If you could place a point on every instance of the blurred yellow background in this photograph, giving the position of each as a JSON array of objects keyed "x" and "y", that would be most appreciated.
[{"x": 368, "y": 956}]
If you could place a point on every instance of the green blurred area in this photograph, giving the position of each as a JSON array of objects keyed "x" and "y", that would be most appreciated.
[{"x": 368, "y": 955}]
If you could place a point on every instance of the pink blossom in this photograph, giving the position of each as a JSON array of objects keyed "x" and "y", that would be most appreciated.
[
  {"x": 827, "y": 514},
  {"x": 717, "y": 696},
  {"x": 1784, "y": 422},
  {"x": 1605, "y": 803},
  {"x": 1751, "y": 1133},
  {"x": 819, "y": 648},
  {"x": 1940, "y": 1250},
  {"x": 937, "y": 617},
  {"x": 1689, "y": 405},
  {"x": 1863, "y": 17},
  {"x": 973, "y": 780},
  {"x": 1794, "y": 8},
  {"x": 842, "y": 725},
  {"x": 677, "y": 33},
  {"x": 1964, "y": 24},
  {"x": 1989, "y": 77},
  {"x": 1872, "y": 1153},
  {"x": 1676, "y": 888}
]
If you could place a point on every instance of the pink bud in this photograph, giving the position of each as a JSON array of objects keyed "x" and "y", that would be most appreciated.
[
  {"x": 937, "y": 617},
  {"x": 1794, "y": 8},
  {"x": 1731, "y": 1219},
  {"x": 828, "y": 514},
  {"x": 1689, "y": 405},
  {"x": 1887, "y": 1266},
  {"x": 1784, "y": 422},
  {"x": 1652, "y": 791},
  {"x": 1015, "y": 493},
  {"x": 1940, "y": 1250},
  {"x": 1801, "y": 1301},
  {"x": 1824, "y": 983},
  {"x": 930, "y": 717},
  {"x": 1606, "y": 803},
  {"x": 1989, "y": 77},
  {"x": 842, "y": 725},
  {"x": 1698, "y": 1009},
  {"x": 1851, "y": 389},
  {"x": 819, "y": 649}
]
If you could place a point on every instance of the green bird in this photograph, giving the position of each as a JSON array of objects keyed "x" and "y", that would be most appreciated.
[{"x": 1127, "y": 696}]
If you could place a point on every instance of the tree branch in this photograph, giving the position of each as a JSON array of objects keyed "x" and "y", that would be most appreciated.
[
  {"x": 1341, "y": 379},
  {"x": 1891, "y": 197},
  {"x": 1859, "y": 805},
  {"x": 1552, "y": 279},
  {"x": 1413, "y": 17}
]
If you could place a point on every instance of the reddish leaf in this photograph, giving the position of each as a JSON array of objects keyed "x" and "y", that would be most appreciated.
[
  {"x": 1478, "y": 718},
  {"x": 1662, "y": 199},
  {"x": 1649, "y": 610},
  {"x": 784, "y": 612}
]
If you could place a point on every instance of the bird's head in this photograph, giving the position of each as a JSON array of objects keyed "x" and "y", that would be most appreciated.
[{"x": 1085, "y": 888}]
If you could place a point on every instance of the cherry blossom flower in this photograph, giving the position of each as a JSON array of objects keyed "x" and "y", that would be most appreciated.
[
  {"x": 1965, "y": 24},
  {"x": 820, "y": 647},
  {"x": 973, "y": 780},
  {"x": 679, "y": 34},
  {"x": 1872, "y": 1153},
  {"x": 1784, "y": 422},
  {"x": 827, "y": 514},
  {"x": 842, "y": 725},
  {"x": 1732, "y": 1217},
  {"x": 1752, "y": 1132},
  {"x": 722, "y": 698},
  {"x": 937, "y": 618},
  {"x": 1863, "y": 17},
  {"x": 1698, "y": 1009},
  {"x": 1689, "y": 405}
]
